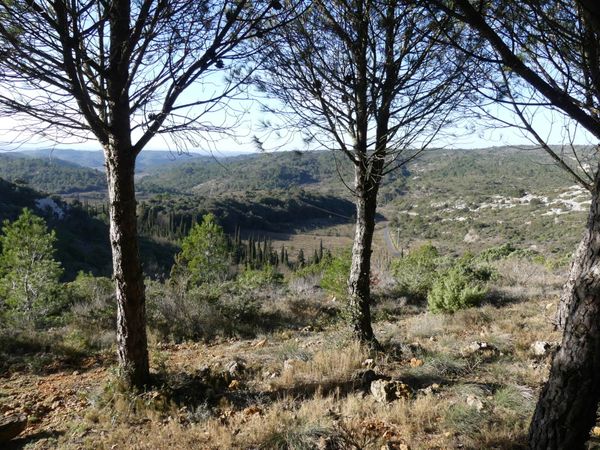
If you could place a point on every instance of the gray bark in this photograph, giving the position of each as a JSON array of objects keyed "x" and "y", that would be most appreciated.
[
  {"x": 127, "y": 270},
  {"x": 359, "y": 280},
  {"x": 566, "y": 409},
  {"x": 568, "y": 292}
]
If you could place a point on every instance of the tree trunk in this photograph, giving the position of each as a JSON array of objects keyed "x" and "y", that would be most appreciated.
[
  {"x": 359, "y": 281},
  {"x": 120, "y": 157},
  {"x": 127, "y": 269},
  {"x": 577, "y": 266},
  {"x": 566, "y": 409}
]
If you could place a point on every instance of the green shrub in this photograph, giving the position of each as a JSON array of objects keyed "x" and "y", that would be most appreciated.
[
  {"x": 94, "y": 302},
  {"x": 254, "y": 279},
  {"x": 240, "y": 312},
  {"x": 333, "y": 272},
  {"x": 558, "y": 262},
  {"x": 509, "y": 251},
  {"x": 311, "y": 270},
  {"x": 497, "y": 253},
  {"x": 459, "y": 288},
  {"x": 336, "y": 270},
  {"x": 416, "y": 272},
  {"x": 177, "y": 313},
  {"x": 93, "y": 312}
]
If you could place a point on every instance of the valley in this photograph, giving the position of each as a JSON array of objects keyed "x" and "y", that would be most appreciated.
[
  {"x": 261, "y": 357},
  {"x": 457, "y": 199}
]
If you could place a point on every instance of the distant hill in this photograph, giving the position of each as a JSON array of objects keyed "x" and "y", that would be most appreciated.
[
  {"x": 490, "y": 171},
  {"x": 94, "y": 159},
  {"x": 288, "y": 211},
  {"x": 472, "y": 199},
  {"x": 320, "y": 171},
  {"x": 54, "y": 176},
  {"x": 72, "y": 171},
  {"x": 82, "y": 238},
  {"x": 325, "y": 172}
]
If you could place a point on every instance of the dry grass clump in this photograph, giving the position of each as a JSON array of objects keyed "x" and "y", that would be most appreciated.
[
  {"x": 425, "y": 326},
  {"x": 306, "y": 284},
  {"x": 334, "y": 364},
  {"x": 522, "y": 278},
  {"x": 314, "y": 309}
]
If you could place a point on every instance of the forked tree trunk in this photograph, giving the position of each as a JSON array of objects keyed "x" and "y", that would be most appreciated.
[
  {"x": 127, "y": 269},
  {"x": 359, "y": 281},
  {"x": 566, "y": 409}
]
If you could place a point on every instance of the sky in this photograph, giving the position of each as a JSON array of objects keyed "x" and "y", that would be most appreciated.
[{"x": 470, "y": 133}]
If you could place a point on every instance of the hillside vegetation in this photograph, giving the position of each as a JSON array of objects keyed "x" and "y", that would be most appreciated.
[
  {"x": 317, "y": 171},
  {"x": 476, "y": 198},
  {"x": 458, "y": 199},
  {"x": 53, "y": 176},
  {"x": 81, "y": 231},
  {"x": 465, "y": 312}
]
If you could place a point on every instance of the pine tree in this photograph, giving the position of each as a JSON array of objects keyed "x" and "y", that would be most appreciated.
[
  {"x": 266, "y": 252},
  {"x": 253, "y": 252},
  {"x": 238, "y": 235},
  {"x": 260, "y": 256},
  {"x": 204, "y": 255},
  {"x": 29, "y": 274}
]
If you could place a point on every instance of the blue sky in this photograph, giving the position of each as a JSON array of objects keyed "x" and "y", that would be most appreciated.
[{"x": 471, "y": 133}]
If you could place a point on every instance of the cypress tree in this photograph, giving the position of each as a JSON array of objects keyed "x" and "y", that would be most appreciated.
[
  {"x": 260, "y": 256},
  {"x": 300, "y": 261}
]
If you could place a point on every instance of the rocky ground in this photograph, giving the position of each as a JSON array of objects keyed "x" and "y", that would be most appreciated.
[{"x": 469, "y": 380}]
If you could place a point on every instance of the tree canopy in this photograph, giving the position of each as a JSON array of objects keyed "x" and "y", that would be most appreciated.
[
  {"x": 204, "y": 253},
  {"x": 29, "y": 274}
]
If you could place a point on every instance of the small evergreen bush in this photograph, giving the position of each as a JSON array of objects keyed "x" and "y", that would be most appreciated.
[
  {"x": 258, "y": 278},
  {"x": 497, "y": 253},
  {"x": 416, "y": 272},
  {"x": 204, "y": 256},
  {"x": 336, "y": 270},
  {"x": 460, "y": 287},
  {"x": 509, "y": 251}
]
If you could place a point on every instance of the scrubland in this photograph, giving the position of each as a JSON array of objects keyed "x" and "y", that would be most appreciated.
[{"x": 271, "y": 366}]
